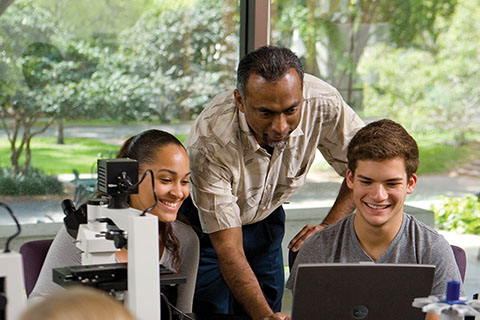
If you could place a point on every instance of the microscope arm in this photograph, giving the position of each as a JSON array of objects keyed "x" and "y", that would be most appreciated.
[{"x": 143, "y": 295}]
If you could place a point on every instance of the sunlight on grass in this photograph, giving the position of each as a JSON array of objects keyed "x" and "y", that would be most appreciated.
[
  {"x": 77, "y": 153},
  {"x": 436, "y": 155}
]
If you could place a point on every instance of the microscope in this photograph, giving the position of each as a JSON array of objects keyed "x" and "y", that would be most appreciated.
[
  {"x": 12, "y": 286},
  {"x": 111, "y": 224},
  {"x": 450, "y": 306}
]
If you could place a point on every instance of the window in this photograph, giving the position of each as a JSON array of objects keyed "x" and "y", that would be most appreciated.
[
  {"x": 413, "y": 62},
  {"x": 78, "y": 78}
]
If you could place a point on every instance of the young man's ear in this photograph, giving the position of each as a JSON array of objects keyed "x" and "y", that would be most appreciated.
[
  {"x": 412, "y": 182},
  {"x": 349, "y": 179},
  {"x": 238, "y": 100}
]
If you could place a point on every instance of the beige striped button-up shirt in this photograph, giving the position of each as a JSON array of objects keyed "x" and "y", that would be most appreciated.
[{"x": 234, "y": 180}]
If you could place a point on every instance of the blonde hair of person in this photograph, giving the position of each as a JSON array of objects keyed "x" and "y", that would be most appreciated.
[{"x": 77, "y": 303}]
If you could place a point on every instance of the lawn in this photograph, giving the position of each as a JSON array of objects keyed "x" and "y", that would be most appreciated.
[
  {"x": 52, "y": 158},
  {"x": 436, "y": 155},
  {"x": 81, "y": 154}
]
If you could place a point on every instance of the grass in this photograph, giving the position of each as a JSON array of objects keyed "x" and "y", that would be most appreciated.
[
  {"x": 52, "y": 158},
  {"x": 77, "y": 153},
  {"x": 104, "y": 122},
  {"x": 436, "y": 156},
  {"x": 440, "y": 158}
]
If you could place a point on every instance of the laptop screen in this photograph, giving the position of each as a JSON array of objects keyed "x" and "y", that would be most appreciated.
[{"x": 360, "y": 291}]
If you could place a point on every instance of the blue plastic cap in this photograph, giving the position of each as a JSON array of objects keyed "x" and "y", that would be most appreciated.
[{"x": 453, "y": 290}]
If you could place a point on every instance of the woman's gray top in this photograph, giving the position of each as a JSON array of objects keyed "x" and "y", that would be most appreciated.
[{"x": 63, "y": 253}]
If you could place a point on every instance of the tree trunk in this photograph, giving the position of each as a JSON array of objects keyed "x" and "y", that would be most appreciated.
[
  {"x": 28, "y": 155},
  {"x": 229, "y": 26},
  {"x": 4, "y": 5},
  {"x": 15, "y": 151},
  {"x": 310, "y": 41},
  {"x": 14, "y": 155},
  {"x": 353, "y": 65},
  {"x": 185, "y": 112},
  {"x": 25, "y": 121},
  {"x": 60, "y": 133},
  {"x": 27, "y": 136}
]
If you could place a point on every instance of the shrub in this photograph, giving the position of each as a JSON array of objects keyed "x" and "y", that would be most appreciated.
[
  {"x": 32, "y": 182},
  {"x": 461, "y": 215}
]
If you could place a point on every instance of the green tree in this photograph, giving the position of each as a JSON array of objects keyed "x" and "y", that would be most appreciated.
[
  {"x": 455, "y": 99},
  {"x": 165, "y": 66},
  {"x": 23, "y": 74},
  {"x": 99, "y": 22},
  {"x": 95, "y": 19},
  {"x": 429, "y": 90},
  {"x": 343, "y": 30},
  {"x": 4, "y": 5},
  {"x": 185, "y": 47},
  {"x": 40, "y": 80}
]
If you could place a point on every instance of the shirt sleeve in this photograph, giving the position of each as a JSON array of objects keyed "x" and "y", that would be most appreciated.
[
  {"x": 338, "y": 129},
  {"x": 212, "y": 189},
  {"x": 62, "y": 253},
  {"x": 446, "y": 268},
  {"x": 189, "y": 255}
]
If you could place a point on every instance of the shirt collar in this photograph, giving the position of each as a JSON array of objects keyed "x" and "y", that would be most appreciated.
[{"x": 246, "y": 132}]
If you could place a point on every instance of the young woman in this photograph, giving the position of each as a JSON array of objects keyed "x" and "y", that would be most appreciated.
[{"x": 162, "y": 153}]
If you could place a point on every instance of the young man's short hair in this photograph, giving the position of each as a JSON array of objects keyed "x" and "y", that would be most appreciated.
[{"x": 383, "y": 140}]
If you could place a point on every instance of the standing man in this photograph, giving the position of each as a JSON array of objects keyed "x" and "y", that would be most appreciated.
[{"x": 250, "y": 149}]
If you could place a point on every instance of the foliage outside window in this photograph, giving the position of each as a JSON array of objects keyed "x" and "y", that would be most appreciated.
[
  {"x": 416, "y": 62},
  {"x": 409, "y": 60},
  {"x": 461, "y": 215},
  {"x": 133, "y": 63},
  {"x": 157, "y": 61},
  {"x": 439, "y": 86}
]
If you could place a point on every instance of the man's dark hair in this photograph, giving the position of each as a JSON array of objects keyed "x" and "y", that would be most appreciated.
[
  {"x": 383, "y": 140},
  {"x": 270, "y": 62}
]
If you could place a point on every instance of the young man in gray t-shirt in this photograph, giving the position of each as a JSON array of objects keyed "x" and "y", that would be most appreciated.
[{"x": 382, "y": 161}]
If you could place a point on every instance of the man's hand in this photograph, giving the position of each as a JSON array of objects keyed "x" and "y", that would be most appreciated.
[
  {"x": 432, "y": 316},
  {"x": 342, "y": 207},
  {"x": 307, "y": 231},
  {"x": 277, "y": 316}
]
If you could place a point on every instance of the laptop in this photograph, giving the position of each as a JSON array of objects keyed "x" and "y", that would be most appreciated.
[{"x": 370, "y": 291}]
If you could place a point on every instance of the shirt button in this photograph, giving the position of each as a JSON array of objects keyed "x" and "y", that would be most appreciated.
[{"x": 268, "y": 187}]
